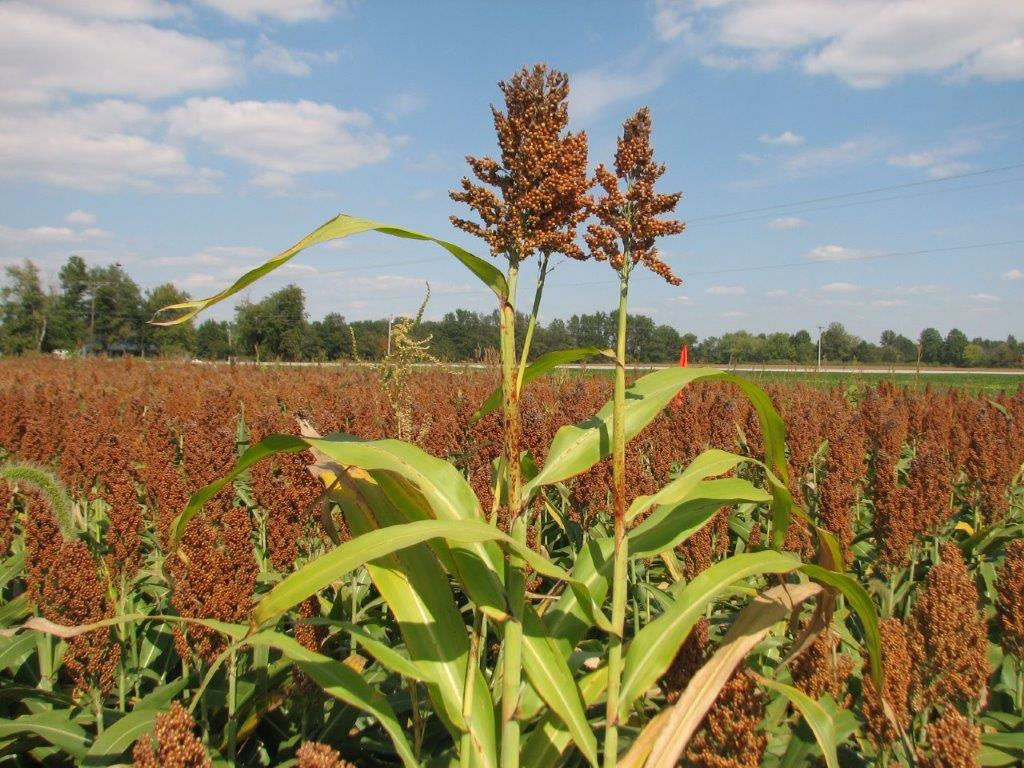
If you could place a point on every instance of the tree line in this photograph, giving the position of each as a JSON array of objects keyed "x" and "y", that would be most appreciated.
[{"x": 101, "y": 310}]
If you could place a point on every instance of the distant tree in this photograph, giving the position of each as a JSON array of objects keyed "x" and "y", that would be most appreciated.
[
  {"x": 953, "y": 347},
  {"x": 836, "y": 344},
  {"x": 115, "y": 310},
  {"x": 804, "y": 349},
  {"x": 974, "y": 355},
  {"x": 274, "y": 328},
  {"x": 779, "y": 347},
  {"x": 213, "y": 340},
  {"x": 171, "y": 339},
  {"x": 25, "y": 310},
  {"x": 330, "y": 337},
  {"x": 931, "y": 345},
  {"x": 71, "y": 312}
]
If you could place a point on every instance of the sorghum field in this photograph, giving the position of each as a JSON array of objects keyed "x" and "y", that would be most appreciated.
[{"x": 921, "y": 489}]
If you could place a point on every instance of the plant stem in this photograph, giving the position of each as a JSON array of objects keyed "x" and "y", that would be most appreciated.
[
  {"x": 611, "y": 734},
  {"x": 232, "y": 722},
  {"x": 532, "y": 325},
  {"x": 515, "y": 581},
  {"x": 472, "y": 666}
]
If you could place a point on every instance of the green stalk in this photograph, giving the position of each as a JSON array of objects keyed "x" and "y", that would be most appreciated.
[
  {"x": 531, "y": 327},
  {"x": 472, "y": 665},
  {"x": 611, "y": 733},
  {"x": 232, "y": 721},
  {"x": 515, "y": 581}
]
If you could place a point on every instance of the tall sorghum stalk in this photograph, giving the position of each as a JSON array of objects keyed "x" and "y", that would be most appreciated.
[
  {"x": 625, "y": 237},
  {"x": 534, "y": 199}
]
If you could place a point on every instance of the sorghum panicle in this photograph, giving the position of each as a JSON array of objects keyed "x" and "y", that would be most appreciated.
[
  {"x": 1010, "y": 603},
  {"x": 821, "y": 669},
  {"x": 730, "y": 736},
  {"x": 949, "y": 637},
  {"x": 899, "y": 678},
  {"x": 313, "y": 754},
  {"x": 177, "y": 746},
  {"x": 535, "y": 197},
  {"x": 632, "y": 217},
  {"x": 954, "y": 742}
]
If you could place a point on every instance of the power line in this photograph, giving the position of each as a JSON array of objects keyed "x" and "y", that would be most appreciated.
[{"x": 843, "y": 195}]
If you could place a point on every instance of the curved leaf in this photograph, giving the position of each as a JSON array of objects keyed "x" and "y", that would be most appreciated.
[
  {"x": 55, "y": 727},
  {"x": 652, "y": 649},
  {"x": 669, "y": 525},
  {"x": 539, "y": 367},
  {"x": 338, "y": 227},
  {"x": 750, "y": 627},
  {"x": 819, "y": 721}
]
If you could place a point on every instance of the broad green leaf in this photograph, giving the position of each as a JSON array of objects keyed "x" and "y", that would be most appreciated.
[
  {"x": 11, "y": 567},
  {"x": 338, "y": 227},
  {"x": 343, "y": 683},
  {"x": 576, "y": 448},
  {"x": 542, "y": 365},
  {"x": 56, "y": 727},
  {"x": 548, "y": 740},
  {"x": 710, "y": 463},
  {"x": 860, "y": 602},
  {"x": 652, "y": 649},
  {"x": 567, "y": 622},
  {"x": 749, "y": 629},
  {"x": 417, "y": 591},
  {"x": 671, "y": 524},
  {"x": 384, "y": 653},
  {"x": 819, "y": 721}
]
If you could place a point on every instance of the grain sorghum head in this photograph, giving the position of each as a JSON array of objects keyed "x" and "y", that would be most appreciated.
[
  {"x": 954, "y": 742},
  {"x": 730, "y": 736},
  {"x": 629, "y": 220},
  {"x": 1010, "y": 603},
  {"x": 536, "y": 195},
  {"x": 898, "y": 665},
  {"x": 177, "y": 746},
  {"x": 949, "y": 638},
  {"x": 313, "y": 754},
  {"x": 688, "y": 659},
  {"x": 821, "y": 669}
]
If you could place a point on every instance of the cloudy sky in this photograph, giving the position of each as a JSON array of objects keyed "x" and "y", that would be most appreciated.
[{"x": 191, "y": 140}]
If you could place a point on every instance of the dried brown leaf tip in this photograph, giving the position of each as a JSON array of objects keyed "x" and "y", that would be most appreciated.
[
  {"x": 533, "y": 199},
  {"x": 312, "y": 754},
  {"x": 1010, "y": 587},
  {"x": 629, "y": 220},
  {"x": 949, "y": 635},
  {"x": 177, "y": 746}
]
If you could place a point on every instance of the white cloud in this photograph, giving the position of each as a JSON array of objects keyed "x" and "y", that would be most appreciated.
[
  {"x": 985, "y": 297},
  {"x": 276, "y": 58},
  {"x": 850, "y": 152},
  {"x": 786, "y": 139},
  {"x": 281, "y": 139},
  {"x": 626, "y": 79},
  {"x": 669, "y": 20},
  {"x": 786, "y": 222},
  {"x": 216, "y": 255},
  {"x": 405, "y": 103},
  {"x": 1013, "y": 274},
  {"x": 913, "y": 290},
  {"x": 80, "y": 217},
  {"x": 291, "y": 11},
  {"x": 840, "y": 287},
  {"x": 44, "y": 55},
  {"x": 734, "y": 313},
  {"x": 13, "y": 237},
  {"x": 941, "y": 161},
  {"x": 865, "y": 43},
  {"x": 117, "y": 9},
  {"x": 835, "y": 253},
  {"x": 107, "y": 145},
  {"x": 726, "y": 290},
  {"x": 680, "y": 300},
  {"x": 884, "y": 303},
  {"x": 776, "y": 292}
]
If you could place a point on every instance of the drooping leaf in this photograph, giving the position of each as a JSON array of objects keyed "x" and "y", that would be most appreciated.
[
  {"x": 117, "y": 739},
  {"x": 338, "y": 227},
  {"x": 56, "y": 727},
  {"x": 819, "y": 721},
  {"x": 651, "y": 651}
]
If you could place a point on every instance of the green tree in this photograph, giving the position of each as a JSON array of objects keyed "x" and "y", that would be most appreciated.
[
  {"x": 172, "y": 339},
  {"x": 931, "y": 345},
  {"x": 779, "y": 347},
  {"x": 213, "y": 340},
  {"x": 974, "y": 355},
  {"x": 837, "y": 344},
  {"x": 25, "y": 310},
  {"x": 274, "y": 328},
  {"x": 71, "y": 310},
  {"x": 804, "y": 349},
  {"x": 330, "y": 337},
  {"x": 116, "y": 315},
  {"x": 953, "y": 347}
]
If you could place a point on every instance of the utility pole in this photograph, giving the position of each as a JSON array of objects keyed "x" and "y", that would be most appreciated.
[{"x": 819, "y": 347}]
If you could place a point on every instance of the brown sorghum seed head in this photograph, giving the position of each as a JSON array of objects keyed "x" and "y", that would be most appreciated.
[
  {"x": 730, "y": 736},
  {"x": 177, "y": 746},
  {"x": 948, "y": 635},
  {"x": 953, "y": 742},
  {"x": 821, "y": 669},
  {"x": 629, "y": 221},
  {"x": 899, "y": 677},
  {"x": 313, "y": 754},
  {"x": 536, "y": 195},
  {"x": 1010, "y": 602}
]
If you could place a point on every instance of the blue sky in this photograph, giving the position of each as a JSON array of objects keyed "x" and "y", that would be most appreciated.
[{"x": 191, "y": 140}]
